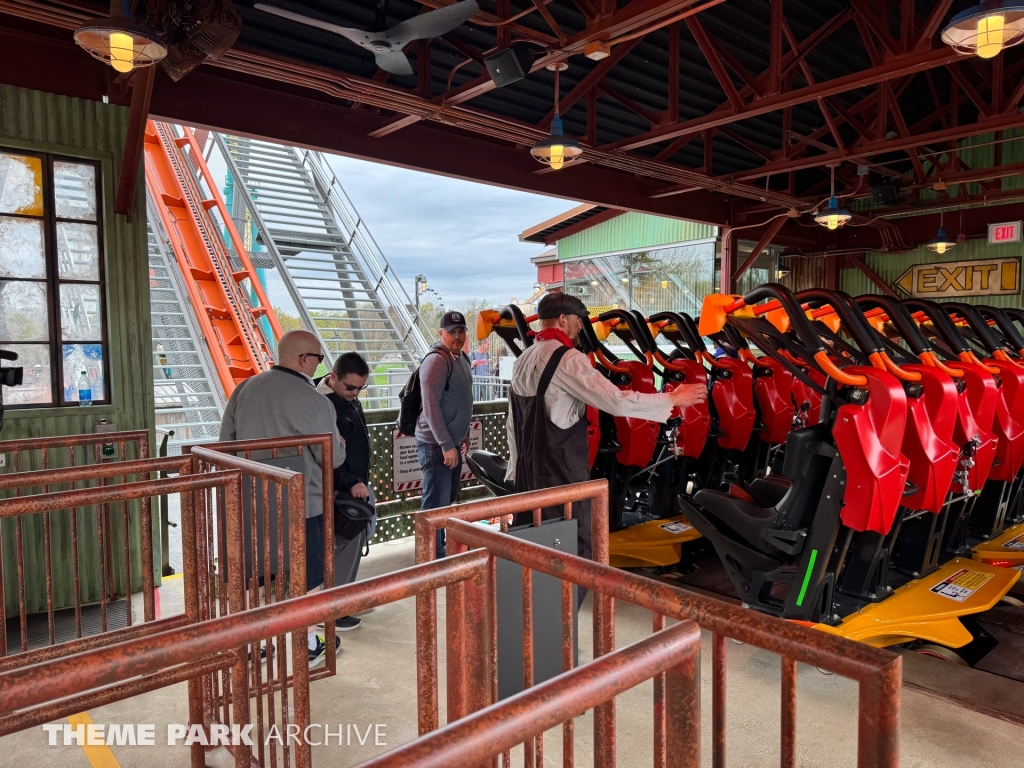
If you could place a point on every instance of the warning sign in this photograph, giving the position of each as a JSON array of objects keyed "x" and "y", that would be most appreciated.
[
  {"x": 961, "y": 584},
  {"x": 1017, "y": 543},
  {"x": 676, "y": 527},
  {"x": 405, "y": 463},
  {"x": 989, "y": 277}
]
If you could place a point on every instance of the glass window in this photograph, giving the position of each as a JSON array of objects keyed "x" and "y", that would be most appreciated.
[
  {"x": 21, "y": 184},
  {"x": 78, "y": 251},
  {"x": 23, "y": 315},
  {"x": 51, "y": 278},
  {"x": 652, "y": 281},
  {"x": 74, "y": 190},
  {"x": 21, "y": 248},
  {"x": 662, "y": 279}
]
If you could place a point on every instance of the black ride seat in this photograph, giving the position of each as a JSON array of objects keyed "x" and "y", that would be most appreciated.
[
  {"x": 781, "y": 527},
  {"x": 490, "y": 469},
  {"x": 785, "y": 502}
]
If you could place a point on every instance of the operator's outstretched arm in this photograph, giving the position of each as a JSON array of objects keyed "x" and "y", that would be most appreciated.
[{"x": 578, "y": 377}]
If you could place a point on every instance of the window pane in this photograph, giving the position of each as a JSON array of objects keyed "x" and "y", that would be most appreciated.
[
  {"x": 80, "y": 313},
  {"x": 35, "y": 386},
  {"x": 21, "y": 248},
  {"x": 78, "y": 253},
  {"x": 74, "y": 188},
  {"x": 88, "y": 358},
  {"x": 21, "y": 184},
  {"x": 23, "y": 312}
]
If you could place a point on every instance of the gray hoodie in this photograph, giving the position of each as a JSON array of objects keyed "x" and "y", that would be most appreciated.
[{"x": 446, "y": 413}]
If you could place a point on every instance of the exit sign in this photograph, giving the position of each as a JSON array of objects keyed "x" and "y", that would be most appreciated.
[{"x": 1007, "y": 232}]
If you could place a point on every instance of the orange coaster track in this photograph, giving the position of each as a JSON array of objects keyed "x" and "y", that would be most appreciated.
[{"x": 227, "y": 307}]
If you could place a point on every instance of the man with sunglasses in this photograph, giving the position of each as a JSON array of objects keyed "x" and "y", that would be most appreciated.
[
  {"x": 342, "y": 387},
  {"x": 283, "y": 402}
]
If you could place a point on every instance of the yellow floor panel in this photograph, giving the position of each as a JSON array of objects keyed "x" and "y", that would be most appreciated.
[
  {"x": 652, "y": 544},
  {"x": 929, "y": 608},
  {"x": 1006, "y": 550}
]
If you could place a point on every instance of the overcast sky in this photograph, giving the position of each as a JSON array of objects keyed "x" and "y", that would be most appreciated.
[{"x": 463, "y": 236}]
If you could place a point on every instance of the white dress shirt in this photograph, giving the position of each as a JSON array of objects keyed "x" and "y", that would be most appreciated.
[{"x": 575, "y": 385}]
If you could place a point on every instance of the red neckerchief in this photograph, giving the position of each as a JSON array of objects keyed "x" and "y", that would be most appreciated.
[{"x": 553, "y": 333}]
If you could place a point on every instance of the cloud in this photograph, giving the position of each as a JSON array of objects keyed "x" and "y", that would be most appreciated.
[{"x": 462, "y": 235}]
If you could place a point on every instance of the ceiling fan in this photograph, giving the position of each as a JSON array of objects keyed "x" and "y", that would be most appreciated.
[{"x": 385, "y": 44}]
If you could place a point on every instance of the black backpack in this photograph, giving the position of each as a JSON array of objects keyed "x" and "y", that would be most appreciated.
[{"x": 412, "y": 397}]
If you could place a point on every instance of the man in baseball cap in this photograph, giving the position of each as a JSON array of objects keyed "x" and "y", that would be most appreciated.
[
  {"x": 552, "y": 384},
  {"x": 442, "y": 430}
]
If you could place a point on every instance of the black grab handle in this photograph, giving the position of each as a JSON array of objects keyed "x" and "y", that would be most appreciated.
[
  {"x": 854, "y": 320},
  {"x": 900, "y": 318},
  {"x": 977, "y": 323},
  {"x": 940, "y": 321},
  {"x": 798, "y": 320},
  {"x": 1005, "y": 325}
]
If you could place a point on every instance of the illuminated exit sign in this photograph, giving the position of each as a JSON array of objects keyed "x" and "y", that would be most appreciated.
[{"x": 1007, "y": 232}]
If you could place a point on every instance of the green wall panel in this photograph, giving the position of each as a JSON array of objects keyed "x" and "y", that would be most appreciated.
[
  {"x": 631, "y": 232},
  {"x": 890, "y": 267},
  {"x": 45, "y": 122}
]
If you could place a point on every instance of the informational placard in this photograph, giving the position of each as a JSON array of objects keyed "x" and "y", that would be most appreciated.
[
  {"x": 1004, "y": 232},
  {"x": 405, "y": 464},
  {"x": 988, "y": 277}
]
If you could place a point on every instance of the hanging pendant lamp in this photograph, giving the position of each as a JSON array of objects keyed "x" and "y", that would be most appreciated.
[
  {"x": 941, "y": 243},
  {"x": 557, "y": 150},
  {"x": 987, "y": 28},
  {"x": 120, "y": 41},
  {"x": 833, "y": 216},
  {"x": 781, "y": 270}
]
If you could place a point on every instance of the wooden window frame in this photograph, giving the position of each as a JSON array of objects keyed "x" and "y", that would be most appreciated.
[{"x": 54, "y": 282}]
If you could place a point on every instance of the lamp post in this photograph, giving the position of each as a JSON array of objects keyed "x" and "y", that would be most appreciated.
[{"x": 418, "y": 288}]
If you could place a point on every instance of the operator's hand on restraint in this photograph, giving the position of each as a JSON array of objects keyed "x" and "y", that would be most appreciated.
[
  {"x": 688, "y": 394},
  {"x": 451, "y": 458},
  {"x": 360, "y": 491},
  {"x": 464, "y": 446}
]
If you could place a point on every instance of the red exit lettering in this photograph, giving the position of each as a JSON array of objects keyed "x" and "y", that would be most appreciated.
[{"x": 1005, "y": 233}]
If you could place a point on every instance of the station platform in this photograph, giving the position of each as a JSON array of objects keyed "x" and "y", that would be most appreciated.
[{"x": 376, "y": 678}]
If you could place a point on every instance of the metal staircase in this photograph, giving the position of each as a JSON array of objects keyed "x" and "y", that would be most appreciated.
[
  {"x": 187, "y": 394},
  {"x": 323, "y": 267}
]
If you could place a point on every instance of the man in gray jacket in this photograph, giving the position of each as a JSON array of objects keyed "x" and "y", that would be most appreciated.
[
  {"x": 283, "y": 402},
  {"x": 442, "y": 431}
]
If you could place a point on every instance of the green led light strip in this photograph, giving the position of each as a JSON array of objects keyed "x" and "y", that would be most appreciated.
[{"x": 807, "y": 578}]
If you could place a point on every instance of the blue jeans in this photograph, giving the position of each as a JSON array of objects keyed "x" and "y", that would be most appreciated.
[{"x": 440, "y": 484}]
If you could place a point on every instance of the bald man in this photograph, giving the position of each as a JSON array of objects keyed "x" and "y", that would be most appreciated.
[{"x": 283, "y": 402}]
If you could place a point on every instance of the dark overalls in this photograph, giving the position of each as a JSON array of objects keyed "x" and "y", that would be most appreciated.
[{"x": 549, "y": 456}]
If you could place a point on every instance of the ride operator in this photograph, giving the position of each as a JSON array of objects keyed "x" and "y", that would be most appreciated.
[{"x": 552, "y": 383}]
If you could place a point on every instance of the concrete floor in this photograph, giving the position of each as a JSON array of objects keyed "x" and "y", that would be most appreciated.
[{"x": 376, "y": 685}]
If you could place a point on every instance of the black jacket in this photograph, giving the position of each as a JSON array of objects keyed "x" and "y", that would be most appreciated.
[{"x": 352, "y": 428}]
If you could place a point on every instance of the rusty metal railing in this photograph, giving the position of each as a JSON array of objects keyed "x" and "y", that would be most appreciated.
[
  {"x": 596, "y": 493},
  {"x": 21, "y": 714},
  {"x": 479, "y": 729},
  {"x": 877, "y": 671},
  {"x": 219, "y": 643},
  {"x": 276, "y": 567},
  {"x": 93, "y": 537}
]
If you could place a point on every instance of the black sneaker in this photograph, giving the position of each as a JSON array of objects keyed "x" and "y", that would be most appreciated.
[
  {"x": 318, "y": 655},
  {"x": 347, "y": 623},
  {"x": 263, "y": 653},
  {"x": 344, "y": 624}
]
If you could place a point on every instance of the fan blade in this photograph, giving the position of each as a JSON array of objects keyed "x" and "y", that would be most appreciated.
[
  {"x": 357, "y": 36},
  {"x": 431, "y": 24},
  {"x": 394, "y": 62}
]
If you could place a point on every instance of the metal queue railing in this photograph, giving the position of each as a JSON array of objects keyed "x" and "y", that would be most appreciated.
[
  {"x": 21, "y": 713},
  {"x": 45, "y": 464},
  {"x": 479, "y": 729},
  {"x": 274, "y": 553}
]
